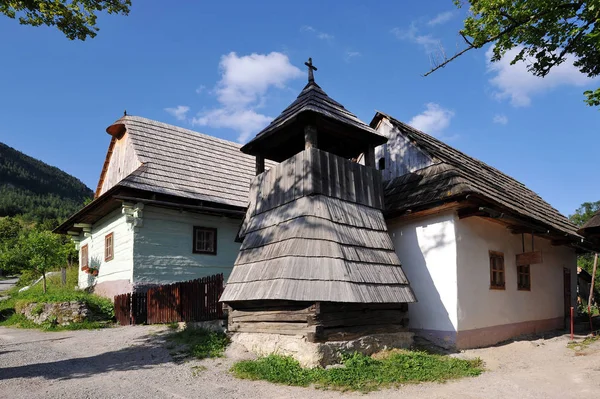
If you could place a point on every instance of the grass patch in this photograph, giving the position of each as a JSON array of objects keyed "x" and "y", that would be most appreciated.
[
  {"x": 197, "y": 370},
  {"x": 582, "y": 345},
  {"x": 101, "y": 308},
  {"x": 199, "y": 343},
  {"x": 360, "y": 372}
]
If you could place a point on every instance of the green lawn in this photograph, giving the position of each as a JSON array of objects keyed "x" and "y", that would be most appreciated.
[
  {"x": 101, "y": 307},
  {"x": 360, "y": 372}
]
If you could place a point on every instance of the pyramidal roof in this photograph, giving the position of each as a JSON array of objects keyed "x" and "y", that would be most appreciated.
[
  {"x": 313, "y": 98},
  {"x": 328, "y": 115}
]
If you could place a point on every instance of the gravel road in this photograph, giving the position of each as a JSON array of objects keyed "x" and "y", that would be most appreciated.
[{"x": 132, "y": 362}]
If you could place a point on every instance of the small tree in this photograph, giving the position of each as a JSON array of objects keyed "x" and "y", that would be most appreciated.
[
  {"x": 42, "y": 251},
  {"x": 75, "y": 18},
  {"x": 11, "y": 258},
  {"x": 579, "y": 218},
  {"x": 545, "y": 32}
]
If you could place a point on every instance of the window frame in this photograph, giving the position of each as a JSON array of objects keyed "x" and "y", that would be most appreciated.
[
  {"x": 86, "y": 262},
  {"x": 528, "y": 274},
  {"x": 493, "y": 284},
  {"x": 108, "y": 257},
  {"x": 213, "y": 230}
]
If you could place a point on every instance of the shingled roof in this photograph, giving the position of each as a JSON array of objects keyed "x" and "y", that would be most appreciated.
[
  {"x": 313, "y": 101},
  {"x": 188, "y": 164},
  {"x": 312, "y": 236},
  {"x": 454, "y": 174},
  {"x": 591, "y": 227}
]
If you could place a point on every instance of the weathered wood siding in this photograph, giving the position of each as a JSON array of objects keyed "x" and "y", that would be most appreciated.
[
  {"x": 121, "y": 162},
  {"x": 401, "y": 156},
  {"x": 320, "y": 321},
  {"x": 163, "y": 246},
  {"x": 314, "y": 231},
  {"x": 115, "y": 275}
]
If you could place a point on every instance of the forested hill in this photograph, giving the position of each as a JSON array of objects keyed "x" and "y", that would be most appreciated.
[{"x": 36, "y": 190}]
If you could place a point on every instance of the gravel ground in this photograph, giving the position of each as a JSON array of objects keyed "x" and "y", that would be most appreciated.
[{"x": 132, "y": 362}]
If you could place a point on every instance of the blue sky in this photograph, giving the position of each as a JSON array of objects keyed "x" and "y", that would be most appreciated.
[{"x": 225, "y": 68}]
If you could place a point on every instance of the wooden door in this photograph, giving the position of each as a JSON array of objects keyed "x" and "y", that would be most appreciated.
[{"x": 567, "y": 294}]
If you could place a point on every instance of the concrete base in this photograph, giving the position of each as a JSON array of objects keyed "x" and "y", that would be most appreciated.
[
  {"x": 311, "y": 354},
  {"x": 487, "y": 336},
  {"x": 109, "y": 289}
]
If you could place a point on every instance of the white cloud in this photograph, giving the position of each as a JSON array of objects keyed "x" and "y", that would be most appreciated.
[
  {"x": 516, "y": 83},
  {"x": 179, "y": 112},
  {"x": 441, "y": 18},
  {"x": 428, "y": 42},
  {"x": 434, "y": 120},
  {"x": 200, "y": 89},
  {"x": 500, "y": 119},
  {"x": 350, "y": 55},
  {"x": 317, "y": 33},
  {"x": 245, "y": 81},
  {"x": 245, "y": 121}
]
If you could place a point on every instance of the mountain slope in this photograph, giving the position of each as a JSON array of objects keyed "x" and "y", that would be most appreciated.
[{"x": 36, "y": 190}]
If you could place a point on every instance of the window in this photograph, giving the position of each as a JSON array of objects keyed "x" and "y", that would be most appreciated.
[
  {"x": 84, "y": 256},
  {"x": 108, "y": 247},
  {"x": 381, "y": 163},
  {"x": 496, "y": 270},
  {"x": 523, "y": 278},
  {"x": 205, "y": 240}
]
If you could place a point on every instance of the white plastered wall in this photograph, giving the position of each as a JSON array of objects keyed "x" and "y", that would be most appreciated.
[
  {"x": 427, "y": 251},
  {"x": 479, "y": 306},
  {"x": 120, "y": 268},
  {"x": 163, "y": 246}
]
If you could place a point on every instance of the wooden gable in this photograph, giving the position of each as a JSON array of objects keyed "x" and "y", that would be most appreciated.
[{"x": 121, "y": 160}]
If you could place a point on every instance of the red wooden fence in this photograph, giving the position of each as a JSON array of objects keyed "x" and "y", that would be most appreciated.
[{"x": 196, "y": 300}]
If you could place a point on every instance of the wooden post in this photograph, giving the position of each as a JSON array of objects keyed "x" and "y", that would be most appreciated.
[
  {"x": 63, "y": 275},
  {"x": 310, "y": 137},
  {"x": 572, "y": 323},
  {"x": 370, "y": 157},
  {"x": 260, "y": 164},
  {"x": 593, "y": 280},
  {"x": 592, "y": 292}
]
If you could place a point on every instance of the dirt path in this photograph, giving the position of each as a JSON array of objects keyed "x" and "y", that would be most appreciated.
[
  {"x": 131, "y": 362},
  {"x": 7, "y": 284}
]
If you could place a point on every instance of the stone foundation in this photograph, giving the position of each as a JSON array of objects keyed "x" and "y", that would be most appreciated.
[
  {"x": 60, "y": 313},
  {"x": 311, "y": 354}
]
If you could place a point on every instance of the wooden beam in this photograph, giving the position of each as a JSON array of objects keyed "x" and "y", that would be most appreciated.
[
  {"x": 310, "y": 137},
  {"x": 260, "y": 164},
  {"x": 470, "y": 212},
  {"x": 370, "y": 156},
  {"x": 410, "y": 215}
]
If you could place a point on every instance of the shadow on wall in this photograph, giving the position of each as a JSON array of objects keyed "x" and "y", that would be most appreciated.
[
  {"x": 429, "y": 316},
  {"x": 94, "y": 263},
  {"x": 137, "y": 357}
]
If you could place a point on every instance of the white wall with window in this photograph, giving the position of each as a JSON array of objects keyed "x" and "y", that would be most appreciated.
[
  {"x": 498, "y": 299},
  {"x": 107, "y": 252},
  {"x": 177, "y": 245}
]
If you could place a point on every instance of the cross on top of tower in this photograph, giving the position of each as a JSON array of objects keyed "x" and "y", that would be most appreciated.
[{"x": 311, "y": 68}]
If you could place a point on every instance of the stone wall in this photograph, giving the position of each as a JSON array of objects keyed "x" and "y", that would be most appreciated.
[
  {"x": 310, "y": 354},
  {"x": 60, "y": 313}
]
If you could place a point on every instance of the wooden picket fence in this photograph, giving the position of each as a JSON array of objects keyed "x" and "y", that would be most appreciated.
[{"x": 196, "y": 300}]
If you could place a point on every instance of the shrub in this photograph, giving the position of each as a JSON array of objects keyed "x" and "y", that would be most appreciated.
[
  {"x": 200, "y": 343},
  {"x": 360, "y": 372}
]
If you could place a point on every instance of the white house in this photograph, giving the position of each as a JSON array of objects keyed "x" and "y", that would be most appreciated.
[
  {"x": 458, "y": 226},
  {"x": 168, "y": 207},
  {"x": 170, "y": 202}
]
